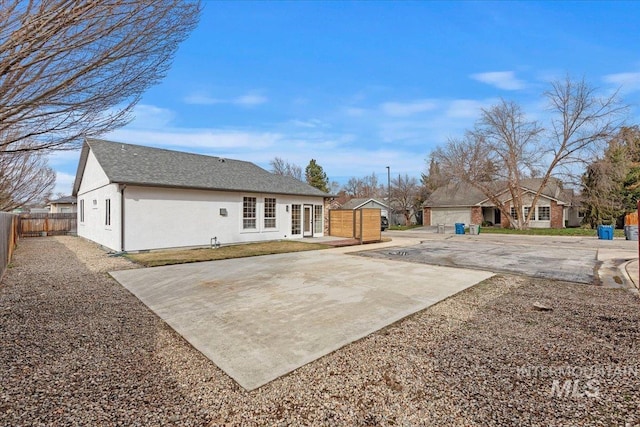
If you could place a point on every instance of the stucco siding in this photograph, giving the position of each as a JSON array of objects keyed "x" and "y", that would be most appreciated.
[
  {"x": 92, "y": 223},
  {"x": 165, "y": 218},
  {"x": 93, "y": 176}
]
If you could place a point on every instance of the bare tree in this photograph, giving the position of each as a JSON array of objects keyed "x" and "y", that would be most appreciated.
[
  {"x": 505, "y": 147},
  {"x": 404, "y": 196},
  {"x": 75, "y": 68},
  {"x": 25, "y": 178},
  {"x": 367, "y": 186},
  {"x": 280, "y": 166}
]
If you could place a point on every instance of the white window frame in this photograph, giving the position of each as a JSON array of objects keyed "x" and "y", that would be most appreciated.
[
  {"x": 270, "y": 209},
  {"x": 249, "y": 213}
]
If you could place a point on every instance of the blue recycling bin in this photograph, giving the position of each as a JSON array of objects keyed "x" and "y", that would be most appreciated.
[
  {"x": 459, "y": 228},
  {"x": 605, "y": 232}
]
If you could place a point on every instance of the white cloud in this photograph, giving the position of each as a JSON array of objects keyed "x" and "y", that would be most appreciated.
[
  {"x": 64, "y": 183},
  {"x": 196, "y": 138},
  {"x": 247, "y": 100},
  {"x": 628, "y": 82},
  {"x": 201, "y": 99},
  {"x": 150, "y": 116},
  {"x": 401, "y": 109},
  {"x": 311, "y": 123},
  {"x": 465, "y": 108},
  {"x": 501, "y": 79},
  {"x": 250, "y": 100},
  {"x": 355, "y": 112}
]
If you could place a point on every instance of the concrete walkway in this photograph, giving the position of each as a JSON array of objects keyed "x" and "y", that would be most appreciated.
[{"x": 262, "y": 317}]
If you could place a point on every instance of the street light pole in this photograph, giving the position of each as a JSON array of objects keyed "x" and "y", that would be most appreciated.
[{"x": 389, "y": 194}]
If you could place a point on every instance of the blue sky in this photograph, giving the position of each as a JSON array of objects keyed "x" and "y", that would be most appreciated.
[{"x": 364, "y": 85}]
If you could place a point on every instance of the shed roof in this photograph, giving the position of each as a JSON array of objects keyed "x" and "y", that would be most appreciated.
[
  {"x": 358, "y": 202},
  {"x": 156, "y": 167}
]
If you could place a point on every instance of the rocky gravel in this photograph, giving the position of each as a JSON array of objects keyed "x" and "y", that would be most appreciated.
[{"x": 79, "y": 349}]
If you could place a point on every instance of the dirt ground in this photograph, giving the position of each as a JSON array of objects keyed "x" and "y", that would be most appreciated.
[{"x": 78, "y": 349}]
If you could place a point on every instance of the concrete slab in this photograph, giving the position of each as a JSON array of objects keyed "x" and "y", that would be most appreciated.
[
  {"x": 260, "y": 318},
  {"x": 575, "y": 265}
]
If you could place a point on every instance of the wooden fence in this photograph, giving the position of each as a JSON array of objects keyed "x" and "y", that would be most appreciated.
[
  {"x": 47, "y": 224},
  {"x": 362, "y": 224},
  {"x": 8, "y": 239}
]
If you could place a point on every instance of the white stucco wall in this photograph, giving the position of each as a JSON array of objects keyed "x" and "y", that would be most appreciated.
[
  {"x": 94, "y": 226},
  {"x": 94, "y": 190},
  {"x": 166, "y": 218}
]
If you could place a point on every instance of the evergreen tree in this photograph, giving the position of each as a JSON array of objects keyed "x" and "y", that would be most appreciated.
[
  {"x": 611, "y": 185},
  {"x": 316, "y": 177}
]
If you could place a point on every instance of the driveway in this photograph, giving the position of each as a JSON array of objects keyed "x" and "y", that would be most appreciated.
[
  {"x": 576, "y": 265},
  {"x": 260, "y": 318}
]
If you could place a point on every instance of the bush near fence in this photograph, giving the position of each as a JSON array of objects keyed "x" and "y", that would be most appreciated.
[{"x": 8, "y": 239}]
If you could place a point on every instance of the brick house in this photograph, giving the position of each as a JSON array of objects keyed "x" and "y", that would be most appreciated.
[{"x": 455, "y": 203}]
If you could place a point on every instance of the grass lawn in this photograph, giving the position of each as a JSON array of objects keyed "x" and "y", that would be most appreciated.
[
  {"x": 181, "y": 256},
  {"x": 548, "y": 231}
]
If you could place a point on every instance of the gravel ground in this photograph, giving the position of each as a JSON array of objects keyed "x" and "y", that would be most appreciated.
[{"x": 78, "y": 349}]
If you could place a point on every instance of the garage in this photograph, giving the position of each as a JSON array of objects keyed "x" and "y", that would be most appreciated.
[{"x": 450, "y": 216}]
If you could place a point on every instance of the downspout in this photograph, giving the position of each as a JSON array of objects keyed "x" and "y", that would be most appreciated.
[{"x": 122, "y": 188}]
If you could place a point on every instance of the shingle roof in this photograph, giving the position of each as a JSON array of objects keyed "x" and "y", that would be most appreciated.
[
  {"x": 148, "y": 166},
  {"x": 454, "y": 194},
  {"x": 65, "y": 199},
  {"x": 355, "y": 203}
]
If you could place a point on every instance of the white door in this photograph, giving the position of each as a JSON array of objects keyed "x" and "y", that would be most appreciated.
[{"x": 307, "y": 221}]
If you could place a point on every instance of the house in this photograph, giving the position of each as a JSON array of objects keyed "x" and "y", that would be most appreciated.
[
  {"x": 133, "y": 198},
  {"x": 66, "y": 204},
  {"x": 458, "y": 203}
]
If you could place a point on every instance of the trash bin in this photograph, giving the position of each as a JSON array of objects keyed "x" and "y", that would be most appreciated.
[
  {"x": 631, "y": 232},
  {"x": 459, "y": 228},
  {"x": 474, "y": 229},
  {"x": 605, "y": 232},
  {"x": 440, "y": 228}
]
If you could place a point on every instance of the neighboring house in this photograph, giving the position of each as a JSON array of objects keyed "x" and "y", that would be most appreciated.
[
  {"x": 366, "y": 203},
  {"x": 133, "y": 198},
  {"x": 65, "y": 204},
  {"x": 455, "y": 203}
]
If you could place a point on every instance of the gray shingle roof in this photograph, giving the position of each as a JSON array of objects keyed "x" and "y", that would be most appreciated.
[
  {"x": 454, "y": 194},
  {"x": 65, "y": 199},
  {"x": 148, "y": 166},
  {"x": 354, "y": 203}
]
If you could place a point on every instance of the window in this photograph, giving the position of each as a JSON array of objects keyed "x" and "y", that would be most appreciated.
[
  {"x": 107, "y": 218},
  {"x": 81, "y": 210},
  {"x": 513, "y": 213},
  {"x": 317, "y": 219},
  {"x": 296, "y": 219},
  {"x": 526, "y": 212},
  {"x": 544, "y": 213},
  {"x": 249, "y": 213},
  {"x": 269, "y": 212}
]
